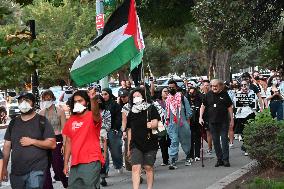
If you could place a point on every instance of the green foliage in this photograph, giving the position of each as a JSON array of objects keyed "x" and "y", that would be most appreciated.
[
  {"x": 164, "y": 18},
  {"x": 8, "y": 12},
  {"x": 264, "y": 140},
  {"x": 259, "y": 183},
  {"x": 225, "y": 23},
  {"x": 61, "y": 32}
]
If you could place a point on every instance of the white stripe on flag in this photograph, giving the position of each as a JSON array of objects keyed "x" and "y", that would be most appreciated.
[{"x": 102, "y": 48}]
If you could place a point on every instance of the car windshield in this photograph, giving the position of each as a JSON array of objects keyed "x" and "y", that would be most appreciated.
[{"x": 161, "y": 81}]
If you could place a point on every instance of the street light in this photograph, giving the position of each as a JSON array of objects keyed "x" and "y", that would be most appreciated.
[{"x": 35, "y": 81}]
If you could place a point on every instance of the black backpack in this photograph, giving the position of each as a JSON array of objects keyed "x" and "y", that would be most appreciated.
[{"x": 42, "y": 120}]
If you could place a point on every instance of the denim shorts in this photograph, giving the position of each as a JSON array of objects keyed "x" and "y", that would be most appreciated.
[
  {"x": 143, "y": 158},
  {"x": 32, "y": 180}
]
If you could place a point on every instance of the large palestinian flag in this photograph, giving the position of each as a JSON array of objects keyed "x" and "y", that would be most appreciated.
[{"x": 120, "y": 43}]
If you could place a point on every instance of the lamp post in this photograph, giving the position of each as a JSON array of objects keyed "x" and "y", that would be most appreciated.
[
  {"x": 35, "y": 81},
  {"x": 100, "y": 26}
]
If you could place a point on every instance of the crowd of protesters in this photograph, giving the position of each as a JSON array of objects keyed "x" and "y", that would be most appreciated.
[{"x": 130, "y": 129}]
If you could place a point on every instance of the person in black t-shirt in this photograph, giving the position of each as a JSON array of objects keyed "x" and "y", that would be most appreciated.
[
  {"x": 219, "y": 106},
  {"x": 29, "y": 137},
  {"x": 143, "y": 145}
]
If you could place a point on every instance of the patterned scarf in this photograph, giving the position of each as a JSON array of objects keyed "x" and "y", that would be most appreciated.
[
  {"x": 140, "y": 107},
  {"x": 173, "y": 104}
]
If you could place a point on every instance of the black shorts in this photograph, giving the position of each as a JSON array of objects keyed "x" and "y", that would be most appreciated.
[{"x": 143, "y": 158}]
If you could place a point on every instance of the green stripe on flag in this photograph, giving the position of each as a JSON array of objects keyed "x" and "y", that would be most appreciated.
[
  {"x": 136, "y": 60},
  {"x": 99, "y": 68}
]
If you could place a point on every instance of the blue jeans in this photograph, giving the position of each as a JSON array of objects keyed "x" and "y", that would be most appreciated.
[
  {"x": 32, "y": 180},
  {"x": 217, "y": 130},
  {"x": 115, "y": 148},
  {"x": 179, "y": 134},
  {"x": 276, "y": 109}
]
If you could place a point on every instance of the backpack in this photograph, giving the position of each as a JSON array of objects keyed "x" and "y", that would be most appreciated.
[
  {"x": 42, "y": 120},
  {"x": 183, "y": 103}
]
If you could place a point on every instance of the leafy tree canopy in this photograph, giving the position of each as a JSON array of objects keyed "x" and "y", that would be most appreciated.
[{"x": 224, "y": 24}]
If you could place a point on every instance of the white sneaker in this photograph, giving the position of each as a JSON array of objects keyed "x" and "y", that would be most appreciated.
[
  {"x": 231, "y": 145},
  {"x": 240, "y": 138},
  {"x": 163, "y": 164},
  {"x": 246, "y": 154},
  {"x": 187, "y": 162},
  {"x": 209, "y": 152},
  {"x": 236, "y": 136},
  {"x": 120, "y": 171},
  {"x": 197, "y": 159}
]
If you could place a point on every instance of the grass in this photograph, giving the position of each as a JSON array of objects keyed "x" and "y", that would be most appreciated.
[{"x": 260, "y": 183}]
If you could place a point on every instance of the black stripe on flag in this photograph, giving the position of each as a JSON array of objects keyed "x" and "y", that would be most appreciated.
[{"x": 118, "y": 18}]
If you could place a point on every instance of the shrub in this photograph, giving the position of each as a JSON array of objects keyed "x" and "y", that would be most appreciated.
[
  {"x": 264, "y": 140},
  {"x": 259, "y": 183}
]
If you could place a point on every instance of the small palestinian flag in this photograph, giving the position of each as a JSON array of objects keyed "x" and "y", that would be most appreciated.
[{"x": 120, "y": 43}]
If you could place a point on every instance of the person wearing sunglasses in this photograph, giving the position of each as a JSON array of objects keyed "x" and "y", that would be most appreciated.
[{"x": 245, "y": 112}]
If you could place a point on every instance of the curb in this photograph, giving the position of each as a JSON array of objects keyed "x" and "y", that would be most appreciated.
[{"x": 233, "y": 176}]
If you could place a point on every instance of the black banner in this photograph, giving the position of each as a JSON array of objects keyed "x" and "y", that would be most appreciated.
[{"x": 244, "y": 100}]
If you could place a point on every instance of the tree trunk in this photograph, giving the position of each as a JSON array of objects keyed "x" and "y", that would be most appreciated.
[{"x": 219, "y": 64}]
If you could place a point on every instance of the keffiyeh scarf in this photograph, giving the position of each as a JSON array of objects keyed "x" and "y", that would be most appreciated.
[
  {"x": 137, "y": 108},
  {"x": 173, "y": 104}
]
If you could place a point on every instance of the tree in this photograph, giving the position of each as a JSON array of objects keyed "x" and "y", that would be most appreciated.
[
  {"x": 224, "y": 25},
  {"x": 61, "y": 32}
]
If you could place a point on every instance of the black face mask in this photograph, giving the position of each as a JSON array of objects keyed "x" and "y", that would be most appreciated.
[
  {"x": 172, "y": 91},
  {"x": 257, "y": 78}
]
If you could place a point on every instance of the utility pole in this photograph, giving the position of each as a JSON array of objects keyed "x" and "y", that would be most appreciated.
[
  {"x": 35, "y": 81},
  {"x": 100, "y": 27}
]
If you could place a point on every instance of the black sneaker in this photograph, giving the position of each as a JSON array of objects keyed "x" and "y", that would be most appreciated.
[
  {"x": 103, "y": 182},
  {"x": 226, "y": 163},
  {"x": 219, "y": 163},
  {"x": 173, "y": 165}
]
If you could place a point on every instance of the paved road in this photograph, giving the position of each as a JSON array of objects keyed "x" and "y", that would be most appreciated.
[{"x": 193, "y": 176}]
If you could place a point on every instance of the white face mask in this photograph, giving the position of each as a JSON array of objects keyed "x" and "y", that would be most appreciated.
[
  {"x": 24, "y": 107},
  {"x": 274, "y": 82},
  {"x": 47, "y": 104},
  {"x": 78, "y": 108},
  {"x": 137, "y": 100}
]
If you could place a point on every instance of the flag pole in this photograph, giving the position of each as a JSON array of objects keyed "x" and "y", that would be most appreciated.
[{"x": 100, "y": 10}]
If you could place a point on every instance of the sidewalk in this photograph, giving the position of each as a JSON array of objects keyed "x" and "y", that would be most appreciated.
[{"x": 194, "y": 176}]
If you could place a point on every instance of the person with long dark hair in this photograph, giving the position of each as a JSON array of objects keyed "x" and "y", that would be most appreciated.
[
  {"x": 115, "y": 133},
  {"x": 142, "y": 143},
  {"x": 275, "y": 98},
  {"x": 82, "y": 132},
  {"x": 165, "y": 141},
  {"x": 106, "y": 125}
]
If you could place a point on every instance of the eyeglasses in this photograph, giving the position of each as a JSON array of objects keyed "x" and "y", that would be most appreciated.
[{"x": 244, "y": 85}]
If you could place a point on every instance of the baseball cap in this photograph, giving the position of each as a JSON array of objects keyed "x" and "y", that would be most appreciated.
[
  {"x": 27, "y": 95},
  {"x": 123, "y": 93}
]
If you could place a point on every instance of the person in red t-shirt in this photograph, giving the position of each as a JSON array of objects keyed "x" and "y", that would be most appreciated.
[{"x": 82, "y": 132}]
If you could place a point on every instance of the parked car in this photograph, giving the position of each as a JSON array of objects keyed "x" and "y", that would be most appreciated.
[
  {"x": 163, "y": 82},
  {"x": 14, "y": 108},
  {"x": 3, "y": 109}
]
